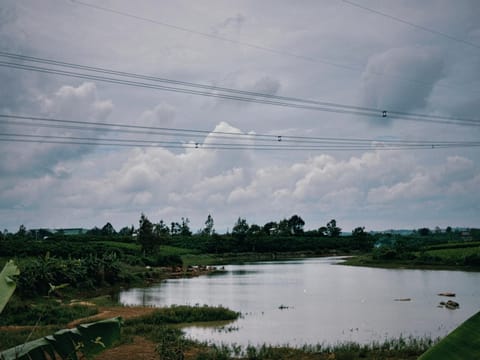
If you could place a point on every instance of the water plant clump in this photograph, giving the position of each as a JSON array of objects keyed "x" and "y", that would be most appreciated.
[{"x": 400, "y": 348}]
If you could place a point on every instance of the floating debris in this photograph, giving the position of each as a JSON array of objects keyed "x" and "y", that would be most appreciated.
[
  {"x": 403, "y": 299},
  {"x": 452, "y": 305},
  {"x": 449, "y": 294}
]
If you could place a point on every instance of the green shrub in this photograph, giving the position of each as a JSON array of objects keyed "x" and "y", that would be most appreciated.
[
  {"x": 176, "y": 314},
  {"x": 52, "y": 313}
]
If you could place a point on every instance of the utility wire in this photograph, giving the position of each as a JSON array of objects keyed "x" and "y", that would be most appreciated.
[
  {"x": 230, "y": 94},
  {"x": 170, "y": 81},
  {"x": 354, "y": 68},
  {"x": 127, "y": 143},
  {"x": 255, "y": 141},
  {"x": 406, "y": 22}
]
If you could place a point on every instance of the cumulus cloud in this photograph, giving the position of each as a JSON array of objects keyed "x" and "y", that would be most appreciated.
[
  {"x": 79, "y": 102},
  {"x": 162, "y": 115},
  {"x": 402, "y": 79},
  {"x": 230, "y": 24},
  {"x": 36, "y": 159},
  {"x": 59, "y": 185}
]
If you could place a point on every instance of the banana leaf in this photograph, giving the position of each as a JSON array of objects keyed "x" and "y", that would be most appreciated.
[
  {"x": 87, "y": 339},
  {"x": 7, "y": 283}
]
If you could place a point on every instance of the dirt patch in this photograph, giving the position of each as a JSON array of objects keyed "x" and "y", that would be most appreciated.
[
  {"x": 140, "y": 348},
  {"x": 126, "y": 312}
]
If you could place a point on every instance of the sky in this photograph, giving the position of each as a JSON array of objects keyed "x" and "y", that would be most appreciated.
[{"x": 402, "y": 56}]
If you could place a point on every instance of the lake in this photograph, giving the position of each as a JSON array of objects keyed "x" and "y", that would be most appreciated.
[{"x": 315, "y": 300}]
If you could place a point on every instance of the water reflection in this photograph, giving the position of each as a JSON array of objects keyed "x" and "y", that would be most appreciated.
[{"x": 315, "y": 301}]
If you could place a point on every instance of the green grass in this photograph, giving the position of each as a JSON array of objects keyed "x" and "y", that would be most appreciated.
[
  {"x": 167, "y": 250},
  {"x": 453, "y": 245},
  {"x": 177, "y": 314},
  {"x": 454, "y": 253},
  {"x": 119, "y": 245},
  {"x": 462, "y": 343},
  {"x": 396, "y": 349},
  {"x": 18, "y": 312},
  {"x": 11, "y": 338}
]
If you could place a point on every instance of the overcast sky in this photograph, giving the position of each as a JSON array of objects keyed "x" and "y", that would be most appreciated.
[{"x": 325, "y": 50}]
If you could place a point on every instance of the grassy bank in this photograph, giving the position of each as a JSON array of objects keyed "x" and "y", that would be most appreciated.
[
  {"x": 462, "y": 343},
  {"x": 453, "y": 259},
  {"x": 162, "y": 329}
]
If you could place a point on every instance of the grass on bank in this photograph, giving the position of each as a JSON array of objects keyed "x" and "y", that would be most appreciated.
[
  {"x": 462, "y": 343},
  {"x": 172, "y": 344},
  {"x": 161, "y": 326},
  {"x": 25, "y": 313}
]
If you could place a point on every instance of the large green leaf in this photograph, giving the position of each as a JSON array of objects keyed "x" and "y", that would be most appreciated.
[
  {"x": 7, "y": 283},
  {"x": 88, "y": 339}
]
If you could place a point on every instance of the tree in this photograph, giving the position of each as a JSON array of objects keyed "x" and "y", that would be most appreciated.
[
  {"x": 174, "y": 228},
  {"x": 359, "y": 232},
  {"x": 208, "y": 229},
  {"x": 283, "y": 227},
  {"x": 332, "y": 229},
  {"x": 296, "y": 223},
  {"x": 22, "y": 231},
  {"x": 125, "y": 231},
  {"x": 146, "y": 236},
  {"x": 185, "y": 228},
  {"x": 322, "y": 231},
  {"x": 108, "y": 230},
  {"x": 254, "y": 230},
  {"x": 93, "y": 231},
  {"x": 270, "y": 228},
  {"x": 240, "y": 228},
  {"x": 161, "y": 229},
  {"x": 424, "y": 231}
]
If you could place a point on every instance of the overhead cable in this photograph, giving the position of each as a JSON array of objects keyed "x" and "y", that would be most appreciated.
[
  {"x": 354, "y": 68},
  {"x": 182, "y": 137},
  {"x": 225, "y": 93},
  {"x": 407, "y": 22}
]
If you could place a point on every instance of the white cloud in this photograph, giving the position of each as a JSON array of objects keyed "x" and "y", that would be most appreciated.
[
  {"x": 422, "y": 66},
  {"x": 328, "y": 52},
  {"x": 80, "y": 102}
]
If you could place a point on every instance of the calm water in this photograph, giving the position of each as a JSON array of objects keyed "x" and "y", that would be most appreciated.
[{"x": 326, "y": 303}]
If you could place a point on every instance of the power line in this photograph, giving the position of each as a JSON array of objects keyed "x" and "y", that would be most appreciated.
[
  {"x": 227, "y": 93},
  {"x": 407, "y": 22},
  {"x": 170, "y": 81},
  {"x": 242, "y": 141},
  {"x": 66, "y": 140},
  {"x": 357, "y": 68}
]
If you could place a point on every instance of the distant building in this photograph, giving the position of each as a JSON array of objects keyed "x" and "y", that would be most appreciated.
[
  {"x": 70, "y": 231},
  {"x": 466, "y": 235}
]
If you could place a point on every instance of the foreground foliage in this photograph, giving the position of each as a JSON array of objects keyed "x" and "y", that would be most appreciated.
[
  {"x": 19, "y": 312},
  {"x": 462, "y": 343},
  {"x": 7, "y": 283},
  {"x": 87, "y": 339}
]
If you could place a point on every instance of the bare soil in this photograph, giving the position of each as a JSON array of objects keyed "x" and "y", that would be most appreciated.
[{"x": 126, "y": 312}]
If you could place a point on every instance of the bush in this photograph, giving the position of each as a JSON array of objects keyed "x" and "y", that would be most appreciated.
[
  {"x": 37, "y": 276},
  {"x": 21, "y": 313},
  {"x": 176, "y": 314},
  {"x": 163, "y": 260}
]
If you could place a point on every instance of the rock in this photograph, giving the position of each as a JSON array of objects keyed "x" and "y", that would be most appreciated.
[{"x": 452, "y": 305}]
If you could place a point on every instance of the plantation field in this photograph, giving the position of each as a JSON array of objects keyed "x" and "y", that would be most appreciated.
[
  {"x": 165, "y": 250},
  {"x": 454, "y": 253}
]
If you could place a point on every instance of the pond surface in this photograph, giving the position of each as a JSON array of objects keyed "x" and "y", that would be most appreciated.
[{"x": 312, "y": 301}]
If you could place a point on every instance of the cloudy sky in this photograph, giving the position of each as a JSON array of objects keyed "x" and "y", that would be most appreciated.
[{"x": 402, "y": 56}]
